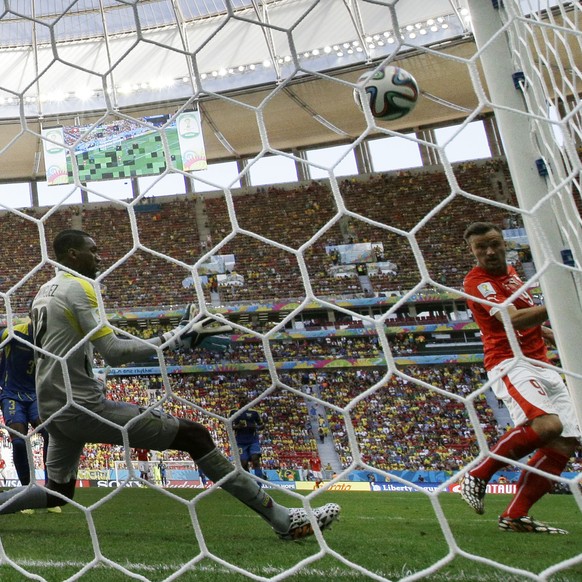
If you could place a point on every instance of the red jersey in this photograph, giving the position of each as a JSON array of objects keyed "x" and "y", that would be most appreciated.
[
  {"x": 496, "y": 289},
  {"x": 142, "y": 454},
  {"x": 316, "y": 464}
]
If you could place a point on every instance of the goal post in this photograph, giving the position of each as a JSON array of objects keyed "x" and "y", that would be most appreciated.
[
  {"x": 178, "y": 473},
  {"x": 538, "y": 174}
]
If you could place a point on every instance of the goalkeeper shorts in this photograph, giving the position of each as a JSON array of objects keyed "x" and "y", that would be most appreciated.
[{"x": 146, "y": 429}]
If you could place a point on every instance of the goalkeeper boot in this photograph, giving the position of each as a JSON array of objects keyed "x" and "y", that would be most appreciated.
[
  {"x": 27, "y": 511},
  {"x": 55, "y": 509},
  {"x": 527, "y": 524},
  {"x": 473, "y": 492},
  {"x": 300, "y": 526}
]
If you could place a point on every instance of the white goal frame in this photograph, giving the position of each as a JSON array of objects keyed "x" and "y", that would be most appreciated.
[
  {"x": 171, "y": 466},
  {"x": 552, "y": 230}
]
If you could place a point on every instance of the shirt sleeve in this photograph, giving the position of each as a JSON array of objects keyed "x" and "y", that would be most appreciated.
[
  {"x": 257, "y": 420},
  {"x": 116, "y": 351},
  {"x": 84, "y": 311}
]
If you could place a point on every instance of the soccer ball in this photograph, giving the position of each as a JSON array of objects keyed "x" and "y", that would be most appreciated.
[{"x": 392, "y": 92}]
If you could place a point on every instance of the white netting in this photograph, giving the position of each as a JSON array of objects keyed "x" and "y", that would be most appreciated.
[
  {"x": 206, "y": 56},
  {"x": 157, "y": 470}
]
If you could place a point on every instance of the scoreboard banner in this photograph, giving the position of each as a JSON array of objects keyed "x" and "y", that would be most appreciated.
[
  {"x": 190, "y": 140},
  {"x": 124, "y": 148},
  {"x": 55, "y": 156}
]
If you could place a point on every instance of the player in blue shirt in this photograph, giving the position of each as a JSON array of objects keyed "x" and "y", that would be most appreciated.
[
  {"x": 18, "y": 396},
  {"x": 247, "y": 426}
]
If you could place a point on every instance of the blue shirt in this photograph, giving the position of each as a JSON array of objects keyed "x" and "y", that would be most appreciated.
[
  {"x": 247, "y": 425},
  {"x": 17, "y": 365}
]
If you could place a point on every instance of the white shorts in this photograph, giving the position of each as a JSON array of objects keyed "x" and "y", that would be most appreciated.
[{"x": 530, "y": 391}]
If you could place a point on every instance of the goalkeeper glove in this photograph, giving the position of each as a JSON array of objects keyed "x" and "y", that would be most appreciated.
[
  {"x": 204, "y": 333},
  {"x": 216, "y": 343}
]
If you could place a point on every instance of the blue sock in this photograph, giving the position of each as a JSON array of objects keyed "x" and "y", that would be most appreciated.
[{"x": 20, "y": 458}]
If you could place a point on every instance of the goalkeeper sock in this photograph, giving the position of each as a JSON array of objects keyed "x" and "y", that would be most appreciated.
[
  {"x": 21, "y": 498},
  {"x": 216, "y": 466},
  {"x": 514, "y": 445},
  {"x": 532, "y": 487}
]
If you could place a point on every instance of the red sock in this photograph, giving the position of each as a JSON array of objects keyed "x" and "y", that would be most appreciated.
[
  {"x": 515, "y": 444},
  {"x": 531, "y": 487}
]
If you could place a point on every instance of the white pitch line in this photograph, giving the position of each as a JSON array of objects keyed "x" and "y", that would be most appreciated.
[
  {"x": 331, "y": 573},
  {"x": 335, "y": 573}
]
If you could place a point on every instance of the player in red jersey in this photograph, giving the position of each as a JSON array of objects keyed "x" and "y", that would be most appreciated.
[
  {"x": 2, "y": 469},
  {"x": 535, "y": 395},
  {"x": 143, "y": 461},
  {"x": 316, "y": 470}
]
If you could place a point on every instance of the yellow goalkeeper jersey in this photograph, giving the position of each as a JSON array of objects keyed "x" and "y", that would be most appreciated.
[{"x": 65, "y": 319}]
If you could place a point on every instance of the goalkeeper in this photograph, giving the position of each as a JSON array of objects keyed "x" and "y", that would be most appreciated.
[{"x": 67, "y": 328}]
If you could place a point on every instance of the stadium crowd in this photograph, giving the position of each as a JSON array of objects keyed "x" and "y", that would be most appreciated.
[
  {"x": 399, "y": 425},
  {"x": 408, "y": 427},
  {"x": 184, "y": 227},
  {"x": 249, "y": 349},
  {"x": 401, "y": 199}
]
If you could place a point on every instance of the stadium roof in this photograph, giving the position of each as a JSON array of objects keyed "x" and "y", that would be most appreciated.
[
  {"x": 27, "y": 22},
  {"x": 155, "y": 50},
  {"x": 67, "y": 62}
]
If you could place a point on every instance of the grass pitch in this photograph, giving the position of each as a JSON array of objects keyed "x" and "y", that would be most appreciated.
[{"x": 392, "y": 535}]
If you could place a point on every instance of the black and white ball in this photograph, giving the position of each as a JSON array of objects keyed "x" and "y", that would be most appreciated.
[{"x": 391, "y": 91}]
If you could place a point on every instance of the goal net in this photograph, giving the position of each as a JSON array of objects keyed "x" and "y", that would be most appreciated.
[{"x": 103, "y": 104}]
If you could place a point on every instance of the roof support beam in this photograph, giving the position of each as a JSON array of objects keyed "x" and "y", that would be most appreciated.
[
  {"x": 353, "y": 7},
  {"x": 262, "y": 12}
]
